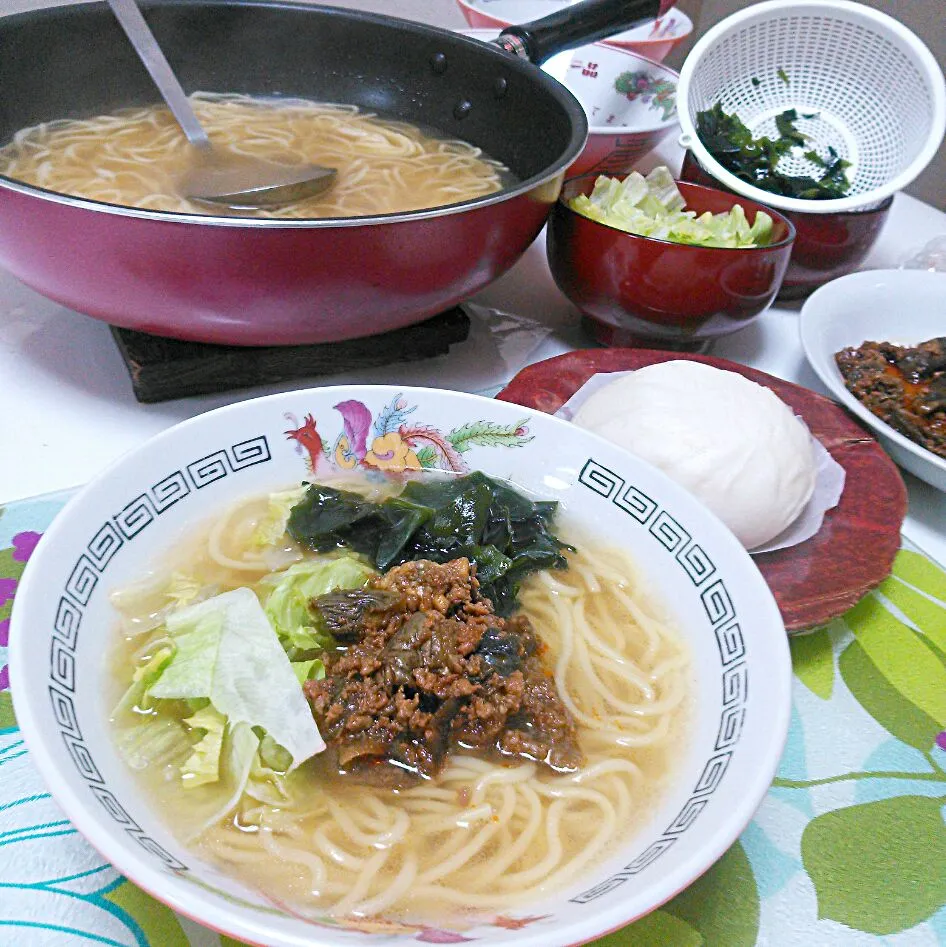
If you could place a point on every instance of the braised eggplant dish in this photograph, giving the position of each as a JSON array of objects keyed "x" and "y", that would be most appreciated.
[{"x": 905, "y": 386}]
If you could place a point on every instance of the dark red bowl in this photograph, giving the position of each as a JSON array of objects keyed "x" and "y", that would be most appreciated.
[
  {"x": 635, "y": 289},
  {"x": 826, "y": 246}
]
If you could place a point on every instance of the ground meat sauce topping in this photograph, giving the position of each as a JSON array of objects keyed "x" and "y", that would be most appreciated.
[
  {"x": 904, "y": 386},
  {"x": 429, "y": 668}
]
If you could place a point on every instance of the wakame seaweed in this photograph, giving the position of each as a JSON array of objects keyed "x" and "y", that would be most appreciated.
[
  {"x": 755, "y": 160},
  {"x": 506, "y": 535}
]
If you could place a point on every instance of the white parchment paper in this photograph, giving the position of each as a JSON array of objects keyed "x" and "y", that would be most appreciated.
[{"x": 829, "y": 474}]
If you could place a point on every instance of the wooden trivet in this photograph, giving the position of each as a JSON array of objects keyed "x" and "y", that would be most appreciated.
[{"x": 163, "y": 369}]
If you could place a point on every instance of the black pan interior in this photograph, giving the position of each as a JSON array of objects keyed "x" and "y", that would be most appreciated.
[{"x": 75, "y": 61}]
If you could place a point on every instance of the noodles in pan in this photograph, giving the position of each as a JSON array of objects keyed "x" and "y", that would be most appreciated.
[
  {"x": 480, "y": 836},
  {"x": 135, "y": 157}
]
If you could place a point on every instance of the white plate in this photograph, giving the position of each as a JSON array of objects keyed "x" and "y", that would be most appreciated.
[{"x": 905, "y": 307}]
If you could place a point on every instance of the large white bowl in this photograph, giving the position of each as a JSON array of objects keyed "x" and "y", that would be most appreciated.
[
  {"x": 900, "y": 306},
  {"x": 110, "y": 533}
]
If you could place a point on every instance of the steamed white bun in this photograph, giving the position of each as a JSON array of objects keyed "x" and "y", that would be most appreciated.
[{"x": 732, "y": 443}]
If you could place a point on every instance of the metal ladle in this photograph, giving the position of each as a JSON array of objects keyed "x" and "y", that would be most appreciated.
[{"x": 217, "y": 176}]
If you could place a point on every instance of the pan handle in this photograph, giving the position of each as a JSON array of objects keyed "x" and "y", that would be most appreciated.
[{"x": 577, "y": 24}]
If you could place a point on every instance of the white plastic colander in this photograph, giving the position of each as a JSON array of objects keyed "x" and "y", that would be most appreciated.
[{"x": 875, "y": 93}]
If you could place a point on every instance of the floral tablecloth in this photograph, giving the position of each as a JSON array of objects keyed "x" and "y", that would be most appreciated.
[{"x": 848, "y": 848}]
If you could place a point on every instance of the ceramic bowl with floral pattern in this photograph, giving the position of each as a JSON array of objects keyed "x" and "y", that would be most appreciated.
[
  {"x": 113, "y": 531},
  {"x": 630, "y": 101}
]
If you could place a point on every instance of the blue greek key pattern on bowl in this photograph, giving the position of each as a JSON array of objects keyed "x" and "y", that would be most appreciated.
[
  {"x": 122, "y": 527},
  {"x": 675, "y": 540}
]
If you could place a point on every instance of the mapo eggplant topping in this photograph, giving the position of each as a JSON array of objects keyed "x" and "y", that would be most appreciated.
[
  {"x": 425, "y": 668},
  {"x": 905, "y": 386}
]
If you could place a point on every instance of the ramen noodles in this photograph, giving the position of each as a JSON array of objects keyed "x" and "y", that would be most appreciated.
[
  {"x": 493, "y": 824},
  {"x": 137, "y": 157}
]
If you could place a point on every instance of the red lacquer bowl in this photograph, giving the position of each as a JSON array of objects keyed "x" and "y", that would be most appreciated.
[
  {"x": 826, "y": 246},
  {"x": 635, "y": 289}
]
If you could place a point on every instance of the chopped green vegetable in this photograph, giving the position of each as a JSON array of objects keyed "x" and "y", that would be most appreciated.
[
  {"x": 203, "y": 765},
  {"x": 783, "y": 75},
  {"x": 785, "y": 123},
  {"x": 207, "y": 804},
  {"x": 184, "y": 590},
  {"x": 267, "y": 779},
  {"x": 272, "y": 527},
  {"x": 196, "y": 639},
  {"x": 504, "y": 533},
  {"x": 313, "y": 670},
  {"x": 287, "y": 605},
  {"x": 146, "y": 604},
  {"x": 227, "y": 651},
  {"x": 273, "y": 756},
  {"x": 755, "y": 160},
  {"x": 756, "y": 82},
  {"x": 654, "y": 207},
  {"x": 145, "y": 675},
  {"x": 152, "y": 741}
]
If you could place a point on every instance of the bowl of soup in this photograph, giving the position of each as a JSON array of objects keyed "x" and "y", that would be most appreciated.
[{"x": 361, "y": 661}]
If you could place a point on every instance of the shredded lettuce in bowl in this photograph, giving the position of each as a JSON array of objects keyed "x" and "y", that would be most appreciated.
[{"x": 653, "y": 206}]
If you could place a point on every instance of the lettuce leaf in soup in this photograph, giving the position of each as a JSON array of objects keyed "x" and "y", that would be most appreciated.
[
  {"x": 287, "y": 604},
  {"x": 227, "y": 651}
]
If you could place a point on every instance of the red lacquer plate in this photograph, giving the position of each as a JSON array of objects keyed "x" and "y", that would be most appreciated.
[{"x": 821, "y": 578}]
